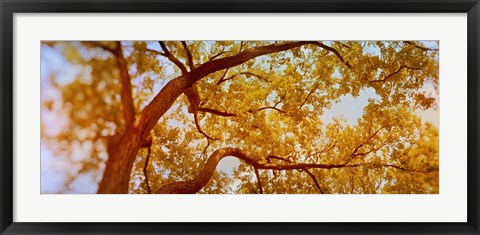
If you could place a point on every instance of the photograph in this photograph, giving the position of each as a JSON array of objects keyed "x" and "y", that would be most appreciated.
[{"x": 239, "y": 117}]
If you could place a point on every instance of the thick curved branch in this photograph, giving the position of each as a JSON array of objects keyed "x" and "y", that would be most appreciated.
[
  {"x": 248, "y": 54},
  {"x": 193, "y": 186}
]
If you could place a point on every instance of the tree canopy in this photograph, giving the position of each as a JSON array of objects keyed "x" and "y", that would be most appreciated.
[{"x": 159, "y": 116}]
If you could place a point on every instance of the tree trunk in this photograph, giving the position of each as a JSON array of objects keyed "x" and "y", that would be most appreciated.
[
  {"x": 121, "y": 155},
  {"x": 123, "y": 150}
]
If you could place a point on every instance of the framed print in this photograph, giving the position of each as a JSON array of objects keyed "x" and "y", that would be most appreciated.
[{"x": 239, "y": 117}]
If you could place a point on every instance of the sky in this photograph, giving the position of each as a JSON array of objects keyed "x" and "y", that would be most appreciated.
[{"x": 53, "y": 172}]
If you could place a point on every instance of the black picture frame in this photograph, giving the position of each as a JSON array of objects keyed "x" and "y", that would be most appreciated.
[{"x": 10, "y": 7}]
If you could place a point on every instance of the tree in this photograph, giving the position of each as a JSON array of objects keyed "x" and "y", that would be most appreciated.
[{"x": 157, "y": 117}]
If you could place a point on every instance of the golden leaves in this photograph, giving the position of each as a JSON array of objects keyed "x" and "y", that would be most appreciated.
[{"x": 277, "y": 104}]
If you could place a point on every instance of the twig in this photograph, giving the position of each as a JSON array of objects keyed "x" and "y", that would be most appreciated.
[
  {"x": 145, "y": 169},
  {"x": 259, "y": 183}
]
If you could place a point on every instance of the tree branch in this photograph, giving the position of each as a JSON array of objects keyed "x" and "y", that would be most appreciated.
[
  {"x": 200, "y": 129},
  {"x": 172, "y": 58},
  {"x": 145, "y": 170},
  {"x": 191, "y": 92},
  {"x": 189, "y": 56},
  {"x": 245, "y": 55},
  {"x": 420, "y": 47},
  {"x": 314, "y": 179},
  {"x": 268, "y": 107},
  {"x": 279, "y": 158},
  {"x": 309, "y": 94},
  {"x": 241, "y": 47},
  {"x": 156, "y": 52},
  {"x": 125, "y": 80},
  {"x": 259, "y": 183},
  {"x": 274, "y": 107},
  {"x": 408, "y": 170},
  {"x": 328, "y": 48},
  {"x": 309, "y": 173},
  {"x": 216, "y": 112},
  {"x": 194, "y": 100},
  {"x": 223, "y": 79},
  {"x": 126, "y": 89},
  {"x": 219, "y": 54},
  {"x": 101, "y": 45},
  {"x": 354, "y": 153},
  {"x": 394, "y": 73}
]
